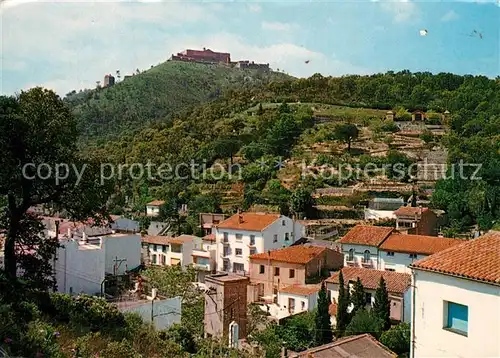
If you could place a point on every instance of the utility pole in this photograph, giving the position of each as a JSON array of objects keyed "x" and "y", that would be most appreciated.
[{"x": 117, "y": 264}]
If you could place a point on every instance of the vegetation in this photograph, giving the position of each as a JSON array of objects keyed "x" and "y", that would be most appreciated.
[
  {"x": 343, "y": 316},
  {"x": 398, "y": 338},
  {"x": 365, "y": 321},
  {"x": 346, "y": 132},
  {"x": 382, "y": 306},
  {"x": 358, "y": 297},
  {"x": 323, "y": 329}
]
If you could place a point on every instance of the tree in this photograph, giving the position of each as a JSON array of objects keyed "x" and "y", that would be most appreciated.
[
  {"x": 343, "y": 316},
  {"x": 358, "y": 296},
  {"x": 256, "y": 319},
  {"x": 301, "y": 200},
  {"x": 397, "y": 339},
  {"x": 323, "y": 329},
  {"x": 365, "y": 322},
  {"x": 382, "y": 306},
  {"x": 41, "y": 165},
  {"x": 346, "y": 132},
  {"x": 260, "y": 110}
]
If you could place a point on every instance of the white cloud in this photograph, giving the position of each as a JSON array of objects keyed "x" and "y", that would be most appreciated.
[
  {"x": 277, "y": 26},
  {"x": 403, "y": 10},
  {"x": 450, "y": 16},
  {"x": 254, "y": 7}
]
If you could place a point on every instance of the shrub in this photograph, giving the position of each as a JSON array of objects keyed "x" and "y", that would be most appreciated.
[
  {"x": 365, "y": 322},
  {"x": 389, "y": 127},
  {"x": 397, "y": 338}
]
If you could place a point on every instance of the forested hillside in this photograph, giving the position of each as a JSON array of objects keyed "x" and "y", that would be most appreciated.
[
  {"x": 155, "y": 95},
  {"x": 243, "y": 124}
]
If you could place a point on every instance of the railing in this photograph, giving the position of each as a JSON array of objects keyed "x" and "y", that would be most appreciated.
[
  {"x": 366, "y": 263},
  {"x": 204, "y": 267}
]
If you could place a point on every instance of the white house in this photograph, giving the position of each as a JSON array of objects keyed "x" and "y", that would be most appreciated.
[
  {"x": 295, "y": 299},
  {"x": 383, "y": 248},
  {"x": 456, "y": 311},
  {"x": 169, "y": 251},
  {"x": 245, "y": 234},
  {"x": 82, "y": 262},
  {"x": 153, "y": 208},
  {"x": 398, "y": 286},
  {"x": 383, "y": 208}
]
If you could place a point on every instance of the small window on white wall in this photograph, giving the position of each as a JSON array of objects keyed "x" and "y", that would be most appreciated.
[
  {"x": 275, "y": 238},
  {"x": 283, "y": 222}
]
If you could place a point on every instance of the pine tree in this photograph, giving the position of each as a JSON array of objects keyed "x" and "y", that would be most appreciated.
[
  {"x": 358, "y": 296},
  {"x": 381, "y": 306},
  {"x": 323, "y": 329},
  {"x": 343, "y": 316}
]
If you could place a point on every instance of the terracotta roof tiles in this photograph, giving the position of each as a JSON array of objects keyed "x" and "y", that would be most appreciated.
[
  {"x": 292, "y": 254},
  {"x": 477, "y": 259},
  {"x": 366, "y": 235},
  {"x": 301, "y": 290},
  {"x": 396, "y": 282},
  {"x": 249, "y": 221},
  {"x": 418, "y": 244},
  {"x": 410, "y": 211},
  {"x": 156, "y": 203}
]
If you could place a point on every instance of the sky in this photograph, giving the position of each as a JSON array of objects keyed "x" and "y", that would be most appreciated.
[{"x": 69, "y": 45}]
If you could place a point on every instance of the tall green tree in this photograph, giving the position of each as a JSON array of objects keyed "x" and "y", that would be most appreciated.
[
  {"x": 323, "y": 329},
  {"x": 358, "y": 298},
  {"x": 343, "y": 316},
  {"x": 37, "y": 135},
  {"x": 382, "y": 306},
  {"x": 365, "y": 321},
  {"x": 347, "y": 133}
]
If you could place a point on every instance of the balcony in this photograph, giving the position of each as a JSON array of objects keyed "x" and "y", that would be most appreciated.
[
  {"x": 367, "y": 263},
  {"x": 350, "y": 261},
  {"x": 202, "y": 267}
]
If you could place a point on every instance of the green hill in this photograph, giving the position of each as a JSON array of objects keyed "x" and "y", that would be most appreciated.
[{"x": 156, "y": 94}]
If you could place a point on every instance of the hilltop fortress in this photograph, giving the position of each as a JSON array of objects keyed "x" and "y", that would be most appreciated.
[{"x": 208, "y": 56}]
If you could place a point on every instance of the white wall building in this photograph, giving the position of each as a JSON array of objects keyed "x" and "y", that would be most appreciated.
[
  {"x": 383, "y": 248},
  {"x": 245, "y": 234},
  {"x": 83, "y": 262},
  {"x": 295, "y": 299},
  {"x": 169, "y": 251},
  {"x": 398, "y": 286},
  {"x": 153, "y": 208},
  {"x": 383, "y": 208},
  {"x": 457, "y": 301}
]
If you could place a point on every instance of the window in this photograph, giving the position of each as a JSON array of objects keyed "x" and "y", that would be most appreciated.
[
  {"x": 239, "y": 237},
  {"x": 283, "y": 223},
  {"x": 262, "y": 269},
  {"x": 153, "y": 259},
  {"x": 237, "y": 267},
  {"x": 155, "y": 247},
  {"x": 163, "y": 259},
  {"x": 227, "y": 251},
  {"x": 216, "y": 222},
  {"x": 276, "y": 271},
  {"x": 253, "y": 250},
  {"x": 275, "y": 238},
  {"x": 226, "y": 237},
  {"x": 292, "y": 273},
  {"x": 165, "y": 248},
  {"x": 225, "y": 265},
  {"x": 286, "y": 236},
  {"x": 238, "y": 252},
  {"x": 368, "y": 298},
  {"x": 366, "y": 256},
  {"x": 252, "y": 239},
  {"x": 291, "y": 235},
  {"x": 413, "y": 256},
  {"x": 303, "y": 305},
  {"x": 390, "y": 253},
  {"x": 390, "y": 269},
  {"x": 456, "y": 317},
  {"x": 350, "y": 257},
  {"x": 177, "y": 248}
]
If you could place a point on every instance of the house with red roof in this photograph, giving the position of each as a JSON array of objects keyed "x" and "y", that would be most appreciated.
[
  {"x": 153, "y": 208},
  {"x": 248, "y": 233},
  {"x": 398, "y": 286},
  {"x": 457, "y": 302},
  {"x": 384, "y": 248},
  {"x": 416, "y": 220}
]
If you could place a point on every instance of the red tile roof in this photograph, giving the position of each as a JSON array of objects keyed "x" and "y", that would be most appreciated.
[
  {"x": 477, "y": 259},
  {"x": 301, "y": 290},
  {"x": 209, "y": 237},
  {"x": 361, "y": 346},
  {"x": 249, "y": 221},
  {"x": 396, "y": 282},
  {"x": 418, "y": 244},
  {"x": 156, "y": 203},
  {"x": 410, "y": 211},
  {"x": 156, "y": 240},
  {"x": 366, "y": 235},
  {"x": 292, "y": 254}
]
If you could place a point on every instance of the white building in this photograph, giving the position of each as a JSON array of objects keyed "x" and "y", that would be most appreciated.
[
  {"x": 294, "y": 299},
  {"x": 398, "y": 286},
  {"x": 383, "y": 208},
  {"x": 153, "y": 208},
  {"x": 84, "y": 261},
  {"x": 245, "y": 234},
  {"x": 169, "y": 251},
  {"x": 383, "y": 248},
  {"x": 457, "y": 301}
]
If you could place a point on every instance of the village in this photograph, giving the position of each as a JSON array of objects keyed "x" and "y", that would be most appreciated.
[{"x": 442, "y": 287}]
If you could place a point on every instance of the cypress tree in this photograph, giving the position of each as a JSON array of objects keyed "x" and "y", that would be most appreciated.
[
  {"x": 323, "y": 329},
  {"x": 382, "y": 307},
  {"x": 358, "y": 296},
  {"x": 343, "y": 316}
]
